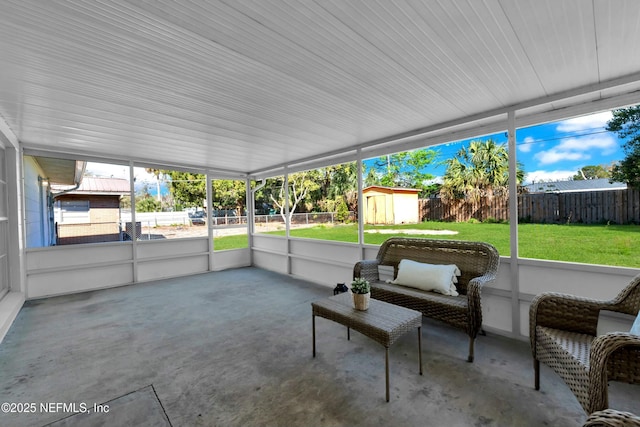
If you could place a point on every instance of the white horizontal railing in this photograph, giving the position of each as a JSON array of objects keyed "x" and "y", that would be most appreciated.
[
  {"x": 329, "y": 262},
  {"x": 63, "y": 269}
]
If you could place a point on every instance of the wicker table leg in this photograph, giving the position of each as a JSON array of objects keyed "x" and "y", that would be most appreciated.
[{"x": 386, "y": 370}]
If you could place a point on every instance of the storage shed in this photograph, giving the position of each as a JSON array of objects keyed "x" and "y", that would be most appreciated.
[{"x": 387, "y": 205}]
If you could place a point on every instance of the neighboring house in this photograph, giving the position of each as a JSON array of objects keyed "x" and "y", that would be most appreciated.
[
  {"x": 386, "y": 205},
  {"x": 40, "y": 175},
  {"x": 569, "y": 186},
  {"x": 91, "y": 212}
]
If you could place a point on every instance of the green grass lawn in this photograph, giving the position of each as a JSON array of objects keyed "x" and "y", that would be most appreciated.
[
  {"x": 617, "y": 245},
  {"x": 230, "y": 242}
]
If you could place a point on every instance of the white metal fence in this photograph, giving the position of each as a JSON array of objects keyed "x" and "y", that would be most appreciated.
[{"x": 158, "y": 219}]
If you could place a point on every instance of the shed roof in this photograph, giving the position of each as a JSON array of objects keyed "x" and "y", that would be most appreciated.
[{"x": 390, "y": 190}]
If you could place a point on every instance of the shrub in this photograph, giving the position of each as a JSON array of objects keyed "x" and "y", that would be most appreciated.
[{"x": 342, "y": 213}]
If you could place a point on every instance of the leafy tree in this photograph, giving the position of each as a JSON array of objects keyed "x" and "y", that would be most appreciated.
[
  {"x": 626, "y": 123},
  {"x": 300, "y": 184},
  {"x": 405, "y": 169},
  {"x": 148, "y": 204},
  {"x": 342, "y": 181},
  {"x": 125, "y": 202},
  {"x": 227, "y": 193},
  {"x": 591, "y": 172},
  {"x": 187, "y": 189},
  {"x": 337, "y": 183},
  {"x": 481, "y": 169}
]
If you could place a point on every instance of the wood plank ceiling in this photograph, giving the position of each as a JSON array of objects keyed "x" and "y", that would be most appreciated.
[{"x": 243, "y": 86}]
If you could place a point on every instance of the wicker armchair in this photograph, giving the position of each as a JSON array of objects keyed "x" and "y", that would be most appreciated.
[
  {"x": 612, "y": 418},
  {"x": 562, "y": 330}
]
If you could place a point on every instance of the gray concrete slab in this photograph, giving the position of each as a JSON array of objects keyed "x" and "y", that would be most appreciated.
[
  {"x": 140, "y": 408},
  {"x": 234, "y": 348}
]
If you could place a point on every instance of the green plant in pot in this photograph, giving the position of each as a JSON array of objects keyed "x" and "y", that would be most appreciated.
[{"x": 361, "y": 291}]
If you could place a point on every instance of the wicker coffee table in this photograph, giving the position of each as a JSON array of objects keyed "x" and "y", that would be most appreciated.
[{"x": 382, "y": 322}]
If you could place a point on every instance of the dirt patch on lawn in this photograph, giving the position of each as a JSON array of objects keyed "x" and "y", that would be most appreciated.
[{"x": 412, "y": 231}]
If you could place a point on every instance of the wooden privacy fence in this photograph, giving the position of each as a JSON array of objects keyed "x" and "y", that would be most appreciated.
[{"x": 588, "y": 207}]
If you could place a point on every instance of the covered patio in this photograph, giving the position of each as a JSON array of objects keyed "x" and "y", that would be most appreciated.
[
  {"x": 234, "y": 348},
  {"x": 248, "y": 90}
]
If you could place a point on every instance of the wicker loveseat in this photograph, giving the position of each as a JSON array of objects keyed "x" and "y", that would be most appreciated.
[
  {"x": 478, "y": 263},
  {"x": 563, "y": 334}
]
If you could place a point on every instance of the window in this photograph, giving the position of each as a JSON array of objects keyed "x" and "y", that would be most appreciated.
[
  {"x": 269, "y": 212},
  {"x": 170, "y": 204},
  {"x": 440, "y": 191},
  {"x": 229, "y": 214},
  {"x": 72, "y": 211},
  {"x": 72, "y": 201},
  {"x": 324, "y": 203},
  {"x": 569, "y": 209}
]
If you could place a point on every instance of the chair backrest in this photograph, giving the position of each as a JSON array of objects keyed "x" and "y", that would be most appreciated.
[
  {"x": 472, "y": 258},
  {"x": 628, "y": 300}
]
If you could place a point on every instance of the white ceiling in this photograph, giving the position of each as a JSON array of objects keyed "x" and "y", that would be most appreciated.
[{"x": 247, "y": 86}]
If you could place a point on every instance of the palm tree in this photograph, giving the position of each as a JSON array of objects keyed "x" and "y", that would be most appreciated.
[
  {"x": 157, "y": 173},
  {"x": 482, "y": 169}
]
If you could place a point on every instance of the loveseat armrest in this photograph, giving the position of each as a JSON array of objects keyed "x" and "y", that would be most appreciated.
[
  {"x": 474, "y": 288},
  {"x": 476, "y": 284},
  {"x": 620, "y": 350},
  {"x": 612, "y": 418},
  {"x": 367, "y": 269},
  {"x": 564, "y": 312}
]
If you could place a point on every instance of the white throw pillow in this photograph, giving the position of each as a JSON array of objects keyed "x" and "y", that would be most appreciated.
[
  {"x": 428, "y": 277},
  {"x": 635, "y": 329}
]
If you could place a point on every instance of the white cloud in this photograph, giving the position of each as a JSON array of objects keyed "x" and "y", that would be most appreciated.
[
  {"x": 435, "y": 180},
  {"x": 554, "y": 156},
  {"x": 606, "y": 143},
  {"x": 544, "y": 175},
  {"x": 598, "y": 120},
  {"x": 574, "y": 149},
  {"x": 106, "y": 170},
  {"x": 527, "y": 145}
]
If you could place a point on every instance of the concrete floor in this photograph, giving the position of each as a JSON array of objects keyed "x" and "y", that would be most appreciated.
[{"x": 233, "y": 348}]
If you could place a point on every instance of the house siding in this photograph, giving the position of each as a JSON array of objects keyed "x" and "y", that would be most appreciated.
[
  {"x": 37, "y": 232},
  {"x": 104, "y": 221}
]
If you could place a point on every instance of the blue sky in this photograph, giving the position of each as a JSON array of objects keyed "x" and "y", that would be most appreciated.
[
  {"x": 557, "y": 150},
  {"x": 552, "y": 151}
]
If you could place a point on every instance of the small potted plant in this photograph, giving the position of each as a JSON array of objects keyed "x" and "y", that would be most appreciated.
[{"x": 361, "y": 290}]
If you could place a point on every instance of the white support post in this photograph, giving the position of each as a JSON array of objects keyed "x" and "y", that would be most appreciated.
[
  {"x": 250, "y": 203},
  {"x": 17, "y": 220},
  {"x": 134, "y": 242},
  {"x": 287, "y": 221},
  {"x": 360, "y": 202},
  {"x": 513, "y": 223},
  {"x": 209, "y": 202}
]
